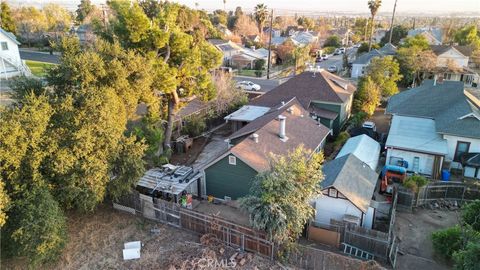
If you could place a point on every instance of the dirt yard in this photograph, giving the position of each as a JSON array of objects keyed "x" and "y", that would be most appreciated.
[
  {"x": 96, "y": 242},
  {"x": 414, "y": 231}
]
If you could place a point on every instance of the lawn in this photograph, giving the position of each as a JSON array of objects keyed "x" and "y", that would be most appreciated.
[{"x": 38, "y": 69}]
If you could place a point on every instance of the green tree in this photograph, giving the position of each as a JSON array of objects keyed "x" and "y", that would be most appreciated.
[
  {"x": 36, "y": 228},
  {"x": 306, "y": 22},
  {"x": 332, "y": 41},
  {"x": 83, "y": 10},
  {"x": 261, "y": 16},
  {"x": 4, "y": 204},
  {"x": 374, "y": 6},
  {"x": 364, "y": 48},
  {"x": 471, "y": 214},
  {"x": 31, "y": 23},
  {"x": 176, "y": 36},
  {"x": 7, "y": 22},
  {"x": 279, "y": 200},
  {"x": 219, "y": 17},
  {"x": 127, "y": 167},
  {"x": 367, "y": 96},
  {"x": 399, "y": 32},
  {"x": 468, "y": 258},
  {"x": 418, "y": 41},
  {"x": 23, "y": 86},
  {"x": 468, "y": 35},
  {"x": 448, "y": 241},
  {"x": 384, "y": 72},
  {"x": 58, "y": 19}
]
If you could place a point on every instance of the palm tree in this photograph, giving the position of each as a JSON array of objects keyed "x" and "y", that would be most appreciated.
[
  {"x": 261, "y": 15},
  {"x": 224, "y": 3},
  {"x": 374, "y": 6},
  {"x": 196, "y": 5}
]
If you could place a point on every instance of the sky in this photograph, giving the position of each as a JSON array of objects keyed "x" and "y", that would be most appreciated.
[
  {"x": 427, "y": 6},
  {"x": 357, "y": 6}
]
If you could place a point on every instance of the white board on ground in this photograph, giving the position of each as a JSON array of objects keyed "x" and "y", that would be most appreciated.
[
  {"x": 130, "y": 254},
  {"x": 134, "y": 244}
]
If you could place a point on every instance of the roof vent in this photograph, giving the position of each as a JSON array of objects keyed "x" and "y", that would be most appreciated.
[
  {"x": 281, "y": 132},
  {"x": 255, "y": 137}
]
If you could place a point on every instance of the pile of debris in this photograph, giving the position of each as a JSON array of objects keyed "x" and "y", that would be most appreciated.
[
  {"x": 442, "y": 204},
  {"x": 216, "y": 255}
]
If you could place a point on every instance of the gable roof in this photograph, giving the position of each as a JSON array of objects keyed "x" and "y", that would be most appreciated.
[
  {"x": 364, "y": 148},
  {"x": 351, "y": 177},
  {"x": 435, "y": 33},
  {"x": 441, "y": 49},
  {"x": 366, "y": 57},
  {"x": 300, "y": 129},
  {"x": 445, "y": 102},
  {"x": 388, "y": 49},
  {"x": 307, "y": 87},
  {"x": 10, "y": 36}
]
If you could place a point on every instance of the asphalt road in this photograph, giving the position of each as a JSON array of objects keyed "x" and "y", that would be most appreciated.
[
  {"x": 39, "y": 56},
  {"x": 337, "y": 60},
  {"x": 266, "y": 85}
]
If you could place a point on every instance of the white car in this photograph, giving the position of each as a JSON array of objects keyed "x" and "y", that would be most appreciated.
[
  {"x": 324, "y": 57},
  {"x": 370, "y": 125},
  {"x": 248, "y": 86},
  {"x": 332, "y": 69}
]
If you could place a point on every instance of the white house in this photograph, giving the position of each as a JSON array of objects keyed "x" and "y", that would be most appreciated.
[
  {"x": 11, "y": 65},
  {"x": 359, "y": 66},
  {"x": 433, "y": 126},
  {"x": 453, "y": 64},
  {"x": 347, "y": 191},
  {"x": 364, "y": 148},
  {"x": 227, "y": 48}
]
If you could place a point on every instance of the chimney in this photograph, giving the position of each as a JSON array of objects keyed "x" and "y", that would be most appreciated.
[
  {"x": 255, "y": 137},
  {"x": 281, "y": 133}
]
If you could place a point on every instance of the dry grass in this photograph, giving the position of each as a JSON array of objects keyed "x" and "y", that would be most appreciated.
[{"x": 96, "y": 242}]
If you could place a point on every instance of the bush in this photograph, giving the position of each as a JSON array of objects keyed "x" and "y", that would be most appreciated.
[
  {"x": 469, "y": 258},
  {"x": 333, "y": 41},
  {"x": 358, "y": 118},
  {"x": 471, "y": 214},
  {"x": 415, "y": 182},
  {"x": 341, "y": 139},
  {"x": 259, "y": 64},
  {"x": 448, "y": 241},
  {"x": 194, "y": 126},
  {"x": 36, "y": 227},
  {"x": 328, "y": 50}
]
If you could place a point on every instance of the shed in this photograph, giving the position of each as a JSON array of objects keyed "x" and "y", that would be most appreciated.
[{"x": 364, "y": 148}]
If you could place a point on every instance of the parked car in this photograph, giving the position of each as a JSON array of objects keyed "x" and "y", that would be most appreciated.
[
  {"x": 324, "y": 57},
  {"x": 357, "y": 45},
  {"x": 248, "y": 86},
  {"x": 318, "y": 59},
  {"x": 342, "y": 50},
  {"x": 332, "y": 69},
  {"x": 337, "y": 52},
  {"x": 370, "y": 125}
]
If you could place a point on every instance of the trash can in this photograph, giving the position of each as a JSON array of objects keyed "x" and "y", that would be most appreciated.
[{"x": 445, "y": 175}]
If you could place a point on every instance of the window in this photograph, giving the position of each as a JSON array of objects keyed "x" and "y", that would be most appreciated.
[
  {"x": 462, "y": 148},
  {"x": 232, "y": 160},
  {"x": 332, "y": 192},
  {"x": 4, "y": 46}
]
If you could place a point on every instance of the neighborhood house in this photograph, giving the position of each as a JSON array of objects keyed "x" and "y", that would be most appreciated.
[
  {"x": 282, "y": 129},
  {"x": 433, "y": 127},
  {"x": 11, "y": 64}
]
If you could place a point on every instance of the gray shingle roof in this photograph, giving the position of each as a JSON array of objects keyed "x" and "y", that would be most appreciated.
[
  {"x": 366, "y": 57},
  {"x": 445, "y": 102},
  {"x": 388, "y": 49},
  {"x": 10, "y": 36},
  {"x": 353, "y": 178}
]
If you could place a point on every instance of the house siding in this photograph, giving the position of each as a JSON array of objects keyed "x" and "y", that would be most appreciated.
[
  {"x": 223, "y": 179},
  {"x": 426, "y": 161},
  {"x": 452, "y": 146},
  {"x": 338, "y": 108}
]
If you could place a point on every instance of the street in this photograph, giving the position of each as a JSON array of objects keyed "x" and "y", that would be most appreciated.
[
  {"x": 337, "y": 60},
  {"x": 39, "y": 56},
  {"x": 266, "y": 85}
]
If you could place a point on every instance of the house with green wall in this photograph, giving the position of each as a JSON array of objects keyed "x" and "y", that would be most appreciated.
[
  {"x": 327, "y": 97},
  {"x": 279, "y": 131}
]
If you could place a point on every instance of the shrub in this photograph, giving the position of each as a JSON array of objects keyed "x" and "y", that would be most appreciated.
[
  {"x": 341, "y": 139},
  {"x": 194, "y": 126},
  {"x": 328, "y": 50},
  {"x": 471, "y": 214},
  {"x": 469, "y": 258},
  {"x": 448, "y": 241},
  {"x": 415, "y": 182},
  {"x": 358, "y": 118}
]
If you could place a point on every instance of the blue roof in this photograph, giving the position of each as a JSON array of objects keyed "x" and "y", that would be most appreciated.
[{"x": 10, "y": 36}]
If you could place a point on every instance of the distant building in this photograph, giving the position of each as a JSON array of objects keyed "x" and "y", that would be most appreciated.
[
  {"x": 11, "y": 65},
  {"x": 359, "y": 66}
]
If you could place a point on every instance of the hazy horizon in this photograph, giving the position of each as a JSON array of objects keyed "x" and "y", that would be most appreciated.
[{"x": 320, "y": 6}]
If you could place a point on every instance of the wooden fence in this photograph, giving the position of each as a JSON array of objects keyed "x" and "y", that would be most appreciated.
[
  {"x": 174, "y": 215},
  {"x": 437, "y": 190}
]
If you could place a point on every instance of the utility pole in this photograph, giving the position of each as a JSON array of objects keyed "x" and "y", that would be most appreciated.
[
  {"x": 391, "y": 24},
  {"x": 270, "y": 46}
]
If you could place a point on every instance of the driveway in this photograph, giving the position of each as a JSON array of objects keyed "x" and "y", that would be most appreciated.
[{"x": 39, "y": 56}]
